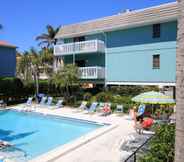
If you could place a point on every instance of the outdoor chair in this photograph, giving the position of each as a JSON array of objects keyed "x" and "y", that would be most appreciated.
[
  {"x": 93, "y": 107},
  {"x": 2, "y": 104},
  {"x": 43, "y": 101},
  {"x": 49, "y": 101},
  {"x": 83, "y": 105},
  {"x": 58, "y": 105},
  {"x": 119, "y": 108}
]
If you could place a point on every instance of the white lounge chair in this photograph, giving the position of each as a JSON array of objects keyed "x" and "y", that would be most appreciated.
[
  {"x": 49, "y": 101},
  {"x": 83, "y": 105},
  {"x": 119, "y": 108},
  {"x": 58, "y": 105},
  {"x": 43, "y": 101}
]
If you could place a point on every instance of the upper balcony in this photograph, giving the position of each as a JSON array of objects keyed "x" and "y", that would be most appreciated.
[{"x": 91, "y": 46}]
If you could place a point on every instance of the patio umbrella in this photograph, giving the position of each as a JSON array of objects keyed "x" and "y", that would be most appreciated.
[{"x": 153, "y": 97}]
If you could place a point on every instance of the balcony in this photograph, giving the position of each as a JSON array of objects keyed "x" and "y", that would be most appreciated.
[
  {"x": 91, "y": 46},
  {"x": 95, "y": 72}
]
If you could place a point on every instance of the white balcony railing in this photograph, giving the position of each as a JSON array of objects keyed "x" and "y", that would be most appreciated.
[
  {"x": 92, "y": 72},
  {"x": 79, "y": 47}
]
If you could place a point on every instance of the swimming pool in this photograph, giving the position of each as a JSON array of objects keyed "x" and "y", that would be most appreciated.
[{"x": 33, "y": 134}]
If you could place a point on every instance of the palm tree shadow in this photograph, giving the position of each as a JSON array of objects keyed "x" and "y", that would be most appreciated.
[{"x": 10, "y": 137}]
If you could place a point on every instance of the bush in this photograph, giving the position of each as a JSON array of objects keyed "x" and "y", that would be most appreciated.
[
  {"x": 161, "y": 147},
  {"x": 104, "y": 97},
  {"x": 131, "y": 90},
  {"x": 123, "y": 100}
]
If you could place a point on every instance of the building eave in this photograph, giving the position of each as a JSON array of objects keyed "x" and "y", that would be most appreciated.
[{"x": 158, "y": 14}]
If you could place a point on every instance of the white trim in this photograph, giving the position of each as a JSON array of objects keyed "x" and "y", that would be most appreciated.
[{"x": 143, "y": 83}]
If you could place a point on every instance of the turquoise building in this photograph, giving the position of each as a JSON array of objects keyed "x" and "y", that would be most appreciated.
[
  {"x": 7, "y": 60},
  {"x": 130, "y": 48}
]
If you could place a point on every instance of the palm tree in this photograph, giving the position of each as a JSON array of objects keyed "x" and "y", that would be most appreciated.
[
  {"x": 179, "y": 143},
  {"x": 24, "y": 68},
  {"x": 66, "y": 78},
  {"x": 48, "y": 39}
]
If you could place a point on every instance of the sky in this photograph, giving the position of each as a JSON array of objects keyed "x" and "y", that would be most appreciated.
[{"x": 23, "y": 20}]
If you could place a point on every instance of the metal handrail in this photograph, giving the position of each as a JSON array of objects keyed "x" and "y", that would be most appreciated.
[{"x": 134, "y": 154}]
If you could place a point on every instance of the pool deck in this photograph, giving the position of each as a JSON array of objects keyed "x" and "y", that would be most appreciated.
[{"x": 101, "y": 145}]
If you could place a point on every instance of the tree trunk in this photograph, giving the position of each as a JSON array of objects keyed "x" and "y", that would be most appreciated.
[{"x": 179, "y": 143}]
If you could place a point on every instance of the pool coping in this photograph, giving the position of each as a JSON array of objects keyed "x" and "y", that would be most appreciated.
[{"x": 62, "y": 150}]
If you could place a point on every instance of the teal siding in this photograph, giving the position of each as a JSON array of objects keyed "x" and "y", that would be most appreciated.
[
  {"x": 134, "y": 63},
  {"x": 141, "y": 35},
  {"x": 129, "y": 54},
  {"x": 94, "y": 59},
  {"x": 7, "y": 62}
]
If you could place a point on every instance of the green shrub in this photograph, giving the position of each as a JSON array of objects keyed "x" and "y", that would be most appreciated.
[
  {"x": 161, "y": 147},
  {"x": 104, "y": 97},
  {"x": 123, "y": 100},
  {"x": 131, "y": 90}
]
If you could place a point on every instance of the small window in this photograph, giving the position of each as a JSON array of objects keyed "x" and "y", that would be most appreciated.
[
  {"x": 156, "y": 31},
  {"x": 156, "y": 61}
]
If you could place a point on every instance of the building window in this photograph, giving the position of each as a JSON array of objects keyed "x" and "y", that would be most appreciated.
[
  {"x": 79, "y": 39},
  {"x": 156, "y": 30},
  {"x": 156, "y": 61}
]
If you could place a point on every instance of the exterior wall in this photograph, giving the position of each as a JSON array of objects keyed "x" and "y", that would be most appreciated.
[
  {"x": 129, "y": 55},
  {"x": 134, "y": 64},
  {"x": 96, "y": 59},
  {"x": 7, "y": 62}
]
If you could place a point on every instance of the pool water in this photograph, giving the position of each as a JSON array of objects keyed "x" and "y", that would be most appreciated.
[{"x": 34, "y": 134}]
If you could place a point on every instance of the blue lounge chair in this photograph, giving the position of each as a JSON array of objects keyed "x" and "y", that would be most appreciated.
[
  {"x": 83, "y": 105},
  {"x": 43, "y": 100},
  {"x": 119, "y": 108},
  {"x": 141, "y": 110},
  {"x": 93, "y": 107},
  {"x": 59, "y": 104},
  {"x": 49, "y": 101},
  {"x": 29, "y": 101}
]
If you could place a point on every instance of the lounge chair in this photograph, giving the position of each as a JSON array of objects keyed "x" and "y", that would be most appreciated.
[
  {"x": 49, "y": 101},
  {"x": 101, "y": 106},
  {"x": 29, "y": 101},
  {"x": 43, "y": 100},
  {"x": 27, "y": 105},
  {"x": 83, "y": 105},
  {"x": 2, "y": 104},
  {"x": 93, "y": 107},
  {"x": 4, "y": 144},
  {"x": 141, "y": 110},
  {"x": 58, "y": 105},
  {"x": 107, "y": 109},
  {"x": 119, "y": 108}
]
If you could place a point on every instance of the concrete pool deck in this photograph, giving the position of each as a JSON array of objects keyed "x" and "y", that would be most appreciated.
[{"x": 101, "y": 145}]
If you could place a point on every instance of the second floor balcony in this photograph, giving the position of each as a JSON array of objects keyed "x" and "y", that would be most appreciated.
[
  {"x": 91, "y": 46},
  {"x": 94, "y": 72}
]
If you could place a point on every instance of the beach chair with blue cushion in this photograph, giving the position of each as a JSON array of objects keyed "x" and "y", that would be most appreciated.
[
  {"x": 93, "y": 107},
  {"x": 141, "y": 110},
  {"x": 58, "y": 105},
  {"x": 43, "y": 101},
  {"x": 100, "y": 106},
  {"x": 29, "y": 101},
  {"x": 83, "y": 105},
  {"x": 49, "y": 101},
  {"x": 119, "y": 108}
]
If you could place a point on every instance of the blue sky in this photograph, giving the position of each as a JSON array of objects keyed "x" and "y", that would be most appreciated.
[{"x": 23, "y": 20}]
